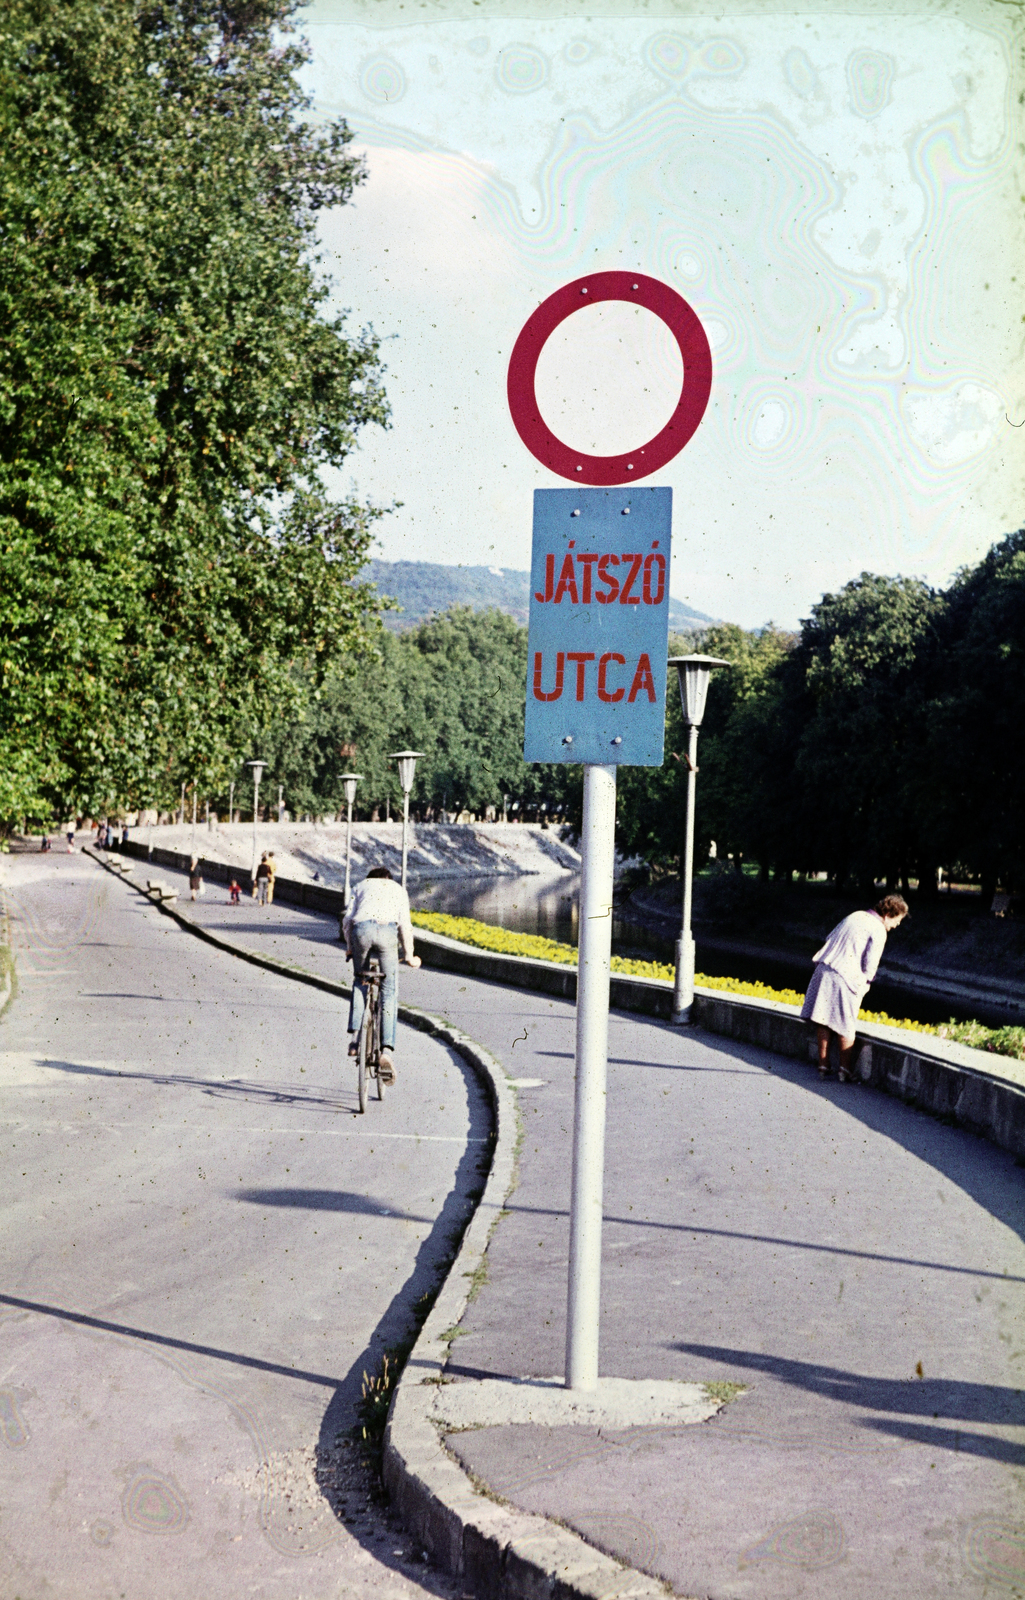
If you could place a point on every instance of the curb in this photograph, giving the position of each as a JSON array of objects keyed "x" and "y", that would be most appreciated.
[{"x": 499, "y": 1551}]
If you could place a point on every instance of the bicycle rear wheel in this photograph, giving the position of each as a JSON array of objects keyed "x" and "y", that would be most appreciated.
[
  {"x": 363, "y": 1059},
  {"x": 377, "y": 1044}
]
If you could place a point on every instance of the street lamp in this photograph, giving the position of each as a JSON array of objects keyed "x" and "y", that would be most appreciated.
[
  {"x": 257, "y": 768},
  {"x": 693, "y": 673},
  {"x": 407, "y": 760},
  {"x": 350, "y": 780}
]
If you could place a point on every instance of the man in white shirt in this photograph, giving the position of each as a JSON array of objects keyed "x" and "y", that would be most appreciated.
[{"x": 377, "y": 918}]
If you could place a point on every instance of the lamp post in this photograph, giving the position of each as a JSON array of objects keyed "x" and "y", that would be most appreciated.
[
  {"x": 192, "y": 845},
  {"x": 407, "y": 760},
  {"x": 281, "y": 801},
  {"x": 694, "y": 672},
  {"x": 257, "y": 769},
  {"x": 350, "y": 780}
]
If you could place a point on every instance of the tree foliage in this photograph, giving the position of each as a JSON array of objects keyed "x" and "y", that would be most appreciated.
[
  {"x": 171, "y": 388},
  {"x": 883, "y": 740},
  {"x": 453, "y": 688}
]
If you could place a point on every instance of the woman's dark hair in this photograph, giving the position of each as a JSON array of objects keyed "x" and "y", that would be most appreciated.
[
  {"x": 892, "y": 905},
  {"x": 379, "y": 872}
]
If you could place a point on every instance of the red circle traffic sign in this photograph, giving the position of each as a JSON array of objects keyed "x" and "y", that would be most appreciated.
[{"x": 697, "y": 377}]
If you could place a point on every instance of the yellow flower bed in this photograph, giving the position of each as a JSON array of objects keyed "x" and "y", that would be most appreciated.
[{"x": 485, "y": 936}]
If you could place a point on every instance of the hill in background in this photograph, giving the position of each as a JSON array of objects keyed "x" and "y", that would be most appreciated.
[{"x": 425, "y": 588}]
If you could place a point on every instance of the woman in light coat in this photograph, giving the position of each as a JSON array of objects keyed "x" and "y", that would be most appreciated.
[{"x": 844, "y": 969}]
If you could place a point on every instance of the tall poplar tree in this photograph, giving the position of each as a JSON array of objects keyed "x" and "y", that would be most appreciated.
[{"x": 172, "y": 387}]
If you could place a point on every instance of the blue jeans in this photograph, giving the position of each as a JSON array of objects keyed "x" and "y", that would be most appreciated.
[{"x": 384, "y": 938}]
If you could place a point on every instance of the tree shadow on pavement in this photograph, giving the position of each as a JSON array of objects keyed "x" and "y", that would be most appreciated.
[
  {"x": 970, "y": 1162},
  {"x": 696, "y": 1230},
  {"x": 219, "y": 1088},
  {"x": 934, "y": 1398}
]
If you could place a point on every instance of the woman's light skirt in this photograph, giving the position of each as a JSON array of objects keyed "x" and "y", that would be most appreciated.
[{"x": 831, "y": 1003}]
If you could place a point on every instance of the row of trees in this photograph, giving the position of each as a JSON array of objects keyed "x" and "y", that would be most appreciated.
[
  {"x": 172, "y": 387},
  {"x": 884, "y": 739}
]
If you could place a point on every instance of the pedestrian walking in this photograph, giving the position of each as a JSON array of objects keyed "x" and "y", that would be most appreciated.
[
  {"x": 195, "y": 879},
  {"x": 273, "y": 867},
  {"x": 234, "y": 892},
  {"x": 71, "y": 838},
  {"x": 262, "y": 880},
  {"x": 844, "y": 969}
]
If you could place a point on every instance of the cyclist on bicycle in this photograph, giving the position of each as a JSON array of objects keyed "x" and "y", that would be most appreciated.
[{"x": 376, "y": 919}]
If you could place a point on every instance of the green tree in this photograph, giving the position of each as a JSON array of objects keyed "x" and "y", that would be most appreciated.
[
  {"x": 170, "y": 392},
  {"x": 861, "y": 681},
  {"x": 972, "y": 786}
]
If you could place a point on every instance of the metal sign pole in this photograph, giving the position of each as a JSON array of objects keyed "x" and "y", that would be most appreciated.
[
  {"x": 405, "y": 833},
  {"x": 348, "y": 849},
  {"x": 598, "y": 849}
]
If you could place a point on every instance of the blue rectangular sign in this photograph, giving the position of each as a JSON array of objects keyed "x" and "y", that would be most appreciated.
[{"x": 599, "y": 626}]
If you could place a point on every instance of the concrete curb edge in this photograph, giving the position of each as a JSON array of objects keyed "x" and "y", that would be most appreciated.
[{"x": 503, "y": 1553}]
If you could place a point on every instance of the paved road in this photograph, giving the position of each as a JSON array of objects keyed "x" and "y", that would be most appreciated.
[
  {"x": 204, "y": 1247},
  {"x": 853, "y": 1263}
]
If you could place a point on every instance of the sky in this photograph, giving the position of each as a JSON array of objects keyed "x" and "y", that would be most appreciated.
[{"x": 837, "y": 197}]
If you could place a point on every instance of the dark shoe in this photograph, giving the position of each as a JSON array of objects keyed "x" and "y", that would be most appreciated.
[{"x": 386, "y": 1067}]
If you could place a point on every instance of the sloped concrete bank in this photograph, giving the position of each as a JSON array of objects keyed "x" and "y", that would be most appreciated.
[
  {"x": 438, "y": 851},
  {"x": 984, "y": 1094}
]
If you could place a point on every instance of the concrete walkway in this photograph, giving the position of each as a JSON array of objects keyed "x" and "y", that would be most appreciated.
[
  {"x": 855, "y": 1266},
  {"x": 204, "y": 1249}
]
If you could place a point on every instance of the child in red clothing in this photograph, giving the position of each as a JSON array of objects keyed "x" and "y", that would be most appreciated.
[{"x": 235, "y": 892}]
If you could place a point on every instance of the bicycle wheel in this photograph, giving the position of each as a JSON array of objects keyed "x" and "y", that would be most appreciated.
[
  {"x": 363, "y": 1040},
  {"x": 377, "y": 1041}
]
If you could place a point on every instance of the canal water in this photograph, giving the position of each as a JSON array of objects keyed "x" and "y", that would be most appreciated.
[{"x": 549, "y": 906}]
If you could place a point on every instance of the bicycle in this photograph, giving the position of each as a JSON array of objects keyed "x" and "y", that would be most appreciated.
[{"x": 368, "y": 1040}]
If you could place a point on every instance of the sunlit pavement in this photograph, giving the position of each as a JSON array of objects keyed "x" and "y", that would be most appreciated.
[
  {"x": 204, "y": 1247},
  {"x": 857, "y": 1266}
]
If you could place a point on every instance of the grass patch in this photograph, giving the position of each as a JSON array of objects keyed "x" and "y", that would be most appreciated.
[
  {"x": 8, "y": 969},
  {"x": 1006, "y": 1041},
  {"x": 725, "y": 1392}
]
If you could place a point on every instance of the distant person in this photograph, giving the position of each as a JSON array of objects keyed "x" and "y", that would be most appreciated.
[
  {"x": 71, "y": 838},
  {"x": 234, "y": 892},
  {"x": 376, "y": 919},
  {"x": 845, "y": 967},
  {"x": 273, "y": 867},
  {"x": 263, "y": 878},
  {"x": 124, "y": 834},
  {"x": 45, "y": 845},
  {"x": 195, "y": 879}
]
